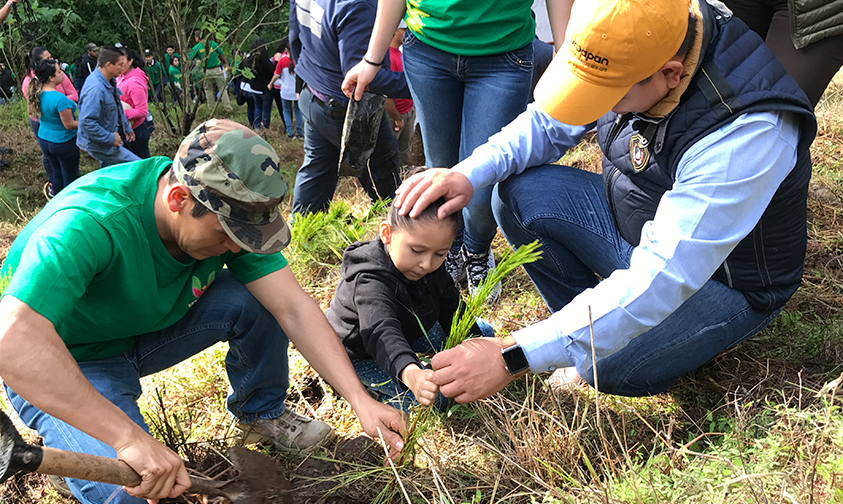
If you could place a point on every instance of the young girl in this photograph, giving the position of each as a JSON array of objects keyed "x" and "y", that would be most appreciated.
[
  {"x": 395, "y": 300},
  {"x": 57, "y": 130}
]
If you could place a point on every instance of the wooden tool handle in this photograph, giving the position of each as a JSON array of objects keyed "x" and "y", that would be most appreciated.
[
  {"x": 108, "y": 470},
  {"x": 88, "y": 467}
]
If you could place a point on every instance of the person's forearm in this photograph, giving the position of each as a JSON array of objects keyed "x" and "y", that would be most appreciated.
[
  {"x": 35, "y": 363},
  {"x": 4, "y": 11},
  {"x": 559, "y": 13},
  {"x": 389, "y": 15},
  {"x": 532, "y": 139},
  {"x": 392, "y": 110}
]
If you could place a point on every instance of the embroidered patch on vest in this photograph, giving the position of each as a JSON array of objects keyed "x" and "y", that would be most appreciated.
[{"x": 638, "y": 152}]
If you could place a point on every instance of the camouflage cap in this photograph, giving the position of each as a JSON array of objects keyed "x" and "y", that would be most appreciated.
[{"x": 231, "y": 170}]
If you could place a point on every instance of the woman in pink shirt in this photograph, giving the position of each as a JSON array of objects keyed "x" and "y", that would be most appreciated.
[
  {"x": 66, "y": 88},
  {"x": 135, "y": 96}
]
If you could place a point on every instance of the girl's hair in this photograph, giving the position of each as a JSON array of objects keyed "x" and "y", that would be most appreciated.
[
  {"x": 174, "y": 58},
  {"x": 399, "y": 222},
  {"x": 283, "y": 45},
  {"x": 43, "y": 71},
  {"x": 137, "y": 60},
  {"x": 31, "y": 59}
]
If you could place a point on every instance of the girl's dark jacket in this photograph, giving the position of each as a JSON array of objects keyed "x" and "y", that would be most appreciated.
[{"x": 378, "y": 312}]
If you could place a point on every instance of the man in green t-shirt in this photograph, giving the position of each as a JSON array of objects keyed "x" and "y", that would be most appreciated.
[
  {"x": 213, "y": 62},
  {"x": 134, "y": 268},
  {"x": 157, "y": 74}
]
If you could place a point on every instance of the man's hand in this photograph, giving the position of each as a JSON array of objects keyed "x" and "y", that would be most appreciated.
[
  {"x": 418, "y": 380},
  {"x": 399, "y": 123},
  {"x": 472, "y": 370},
  {"x": 117, "y": 140},
  {"x": 162, "y": 471},
  {"x": 130, "y": 137},
  {"x": 359, "y": 76},
  {"x": 422, "y": 189},
  {"x": 391, "y": 422}
]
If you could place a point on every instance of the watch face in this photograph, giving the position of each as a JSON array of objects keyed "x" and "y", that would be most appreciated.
[{"x": 515, "y": 359}]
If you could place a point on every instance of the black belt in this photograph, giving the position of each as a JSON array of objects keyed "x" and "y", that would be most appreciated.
[{"x": 337, "y": 111}]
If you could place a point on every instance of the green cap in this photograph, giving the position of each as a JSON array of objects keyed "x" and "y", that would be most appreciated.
[{"x": 233, "y": 171}]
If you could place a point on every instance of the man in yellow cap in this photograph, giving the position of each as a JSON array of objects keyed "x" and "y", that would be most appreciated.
[{"x": 698, "y": 226}]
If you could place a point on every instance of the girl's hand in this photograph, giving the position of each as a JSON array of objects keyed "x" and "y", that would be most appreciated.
[{"x": 419, "y": 381}]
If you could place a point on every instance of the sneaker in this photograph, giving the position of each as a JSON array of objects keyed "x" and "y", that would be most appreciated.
[
  {"x": 477, "y": 267},
  {"x": 289, "y": 432},
  {"x": 60, "y": 485},
  {"x": 455, "y": 266},
  {"x": 48, "y": 191}
]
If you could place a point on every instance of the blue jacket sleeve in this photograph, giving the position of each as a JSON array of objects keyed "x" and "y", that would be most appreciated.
[
  {"x": 293, "y": 27},
  {"x": 354, "y": 29},
  {"x": 121, "y": 114},
  {"x": 89, "y": 117}
]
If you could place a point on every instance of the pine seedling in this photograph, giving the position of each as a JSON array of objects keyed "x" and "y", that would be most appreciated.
[{"x": 464, "y": 319}]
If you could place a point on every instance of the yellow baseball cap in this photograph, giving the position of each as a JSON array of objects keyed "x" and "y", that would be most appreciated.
[{"x": 610, "y": 45}]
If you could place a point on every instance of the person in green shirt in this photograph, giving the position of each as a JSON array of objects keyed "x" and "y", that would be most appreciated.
[
  {"x": 213, "y": 61},
  {"x": 170, "y": 51},
  {"x": 174, "y": 71},
  {"x": 157, "y": 74},
  {"x": 135, "y": 267}
]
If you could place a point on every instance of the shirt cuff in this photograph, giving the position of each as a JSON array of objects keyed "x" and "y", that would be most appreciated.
[
  {"x": 544, "y": 347},
  {"x": 476, "y": 172}
]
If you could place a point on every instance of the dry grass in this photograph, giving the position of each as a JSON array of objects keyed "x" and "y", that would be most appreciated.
[{"x": 753, "y": 425}]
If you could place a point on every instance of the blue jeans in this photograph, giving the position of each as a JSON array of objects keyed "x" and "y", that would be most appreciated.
[
  {"x": 289, "y": 106},
  {"x": 387, "y": 391},
  {"x": 565, "y": 209},
  {"x": 262, "y": 109},
  {"x": 48, "y": 167},
  {"x": 64, "y": 157},
  {"x": 317, "y": 177},
  {"x": 159, "y": 92},
  {"x": 250, "y": 107},
  {"x": 256, "y": 364},
  {"x": 460, "y": 102},
  {"x": 113, "y": 156}
]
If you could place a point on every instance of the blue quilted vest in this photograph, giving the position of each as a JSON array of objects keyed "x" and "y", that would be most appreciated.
[{"x": 740, "y": 75}]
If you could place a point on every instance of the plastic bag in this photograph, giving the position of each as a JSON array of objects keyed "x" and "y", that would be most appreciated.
[{"x": 360, "y": 133}]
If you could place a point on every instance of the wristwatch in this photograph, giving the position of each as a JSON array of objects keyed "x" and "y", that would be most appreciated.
[{"x": 514, "y": 358}]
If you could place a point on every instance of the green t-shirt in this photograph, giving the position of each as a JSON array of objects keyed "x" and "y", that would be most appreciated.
[
  {"x": 472, "y": 28},
  {"x": 155, "y": 72},
  {"x": 168, "y": 59},
  {"x": 198, "y": 52},
  {"x": 175, "y": 74},
  {"x": 92, "y": 262}
]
